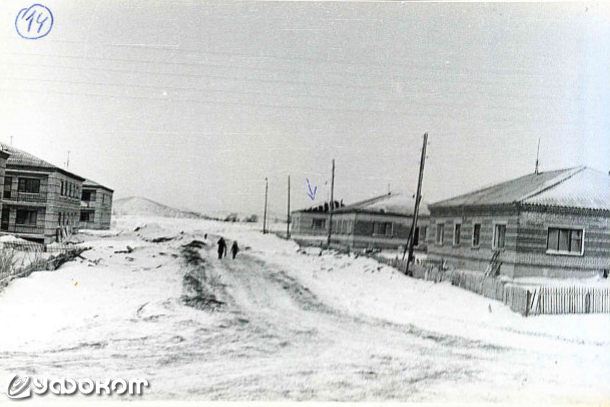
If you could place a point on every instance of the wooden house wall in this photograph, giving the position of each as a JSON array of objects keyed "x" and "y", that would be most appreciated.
[{"x": 465, "y": 255}]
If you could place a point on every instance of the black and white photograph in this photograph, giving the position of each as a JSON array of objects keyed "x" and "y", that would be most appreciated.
[{"x": 208, "y": 201}]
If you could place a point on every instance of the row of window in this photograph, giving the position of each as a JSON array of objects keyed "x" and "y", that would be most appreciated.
[
  {"x": 385, "y": 229},
  {"x": 559, "y": 240},
  {"x": 498, "y": 241},
  {"x": 69, "y": 189},
  {"x": 67, "y": 218},
  {"x": 30, "y": 217}
]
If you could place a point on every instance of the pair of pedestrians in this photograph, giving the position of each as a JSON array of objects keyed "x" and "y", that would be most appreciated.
[{"x": 222, "y": 248}]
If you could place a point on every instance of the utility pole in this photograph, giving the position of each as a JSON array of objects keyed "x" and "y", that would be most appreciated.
[
  {"x": 265, "y": 212},
  {"x": 68, "y": 161},
  {"x": 417, "y": 202},
  {"x": 288, "y": 212},
  {"x": 536, "y": 171},
  {"x": 330, "y": 207}
]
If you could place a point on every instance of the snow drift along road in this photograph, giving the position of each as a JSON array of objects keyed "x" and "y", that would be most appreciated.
[{"x": 285, "y": 326}]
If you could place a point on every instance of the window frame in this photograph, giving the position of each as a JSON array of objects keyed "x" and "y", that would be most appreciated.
[
  {"x": 439, "y": 226},
  {"x": 28, "y": 217},
  {"x": 385, "y": 229},
  {"x": 319, "y": 221},
  {"x": 493, "y": 238},
  {"x": 458, "y": 241},
  {"x": 570, "y": 229},
  {"x": 8, "y": 187},
  {"x": 478, "y": 236},
  {"x": 23, "y": 181}
]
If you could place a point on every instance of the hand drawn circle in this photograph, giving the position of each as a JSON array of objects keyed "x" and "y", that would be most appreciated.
[{"x": 34, "y": 22}]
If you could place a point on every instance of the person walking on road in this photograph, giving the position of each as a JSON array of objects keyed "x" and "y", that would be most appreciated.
[
  {"x": 234, "y": 249},
  {"x": 222, "y": 248}
]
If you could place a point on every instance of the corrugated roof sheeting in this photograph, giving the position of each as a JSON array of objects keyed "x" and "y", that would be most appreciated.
[
  {"x": 579, "y": 187},
  {"x": 508, "y": 192},
  {"x": 20, "y": 157},
  {"x": 588, "y": 189},
  {"x": 390, "y": 203},
  {"x": 92, "y": 184}
]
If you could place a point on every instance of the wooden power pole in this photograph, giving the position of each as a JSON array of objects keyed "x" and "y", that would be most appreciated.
[
  {"x": 417, "y": 202},
  {"x": 330, "y": 208},
  {"x": 288, "y": 212},
  {"x": 265, "y": 212}
]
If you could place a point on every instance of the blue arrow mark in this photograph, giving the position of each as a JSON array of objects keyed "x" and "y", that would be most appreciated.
[{"x": 311, "y": 194}]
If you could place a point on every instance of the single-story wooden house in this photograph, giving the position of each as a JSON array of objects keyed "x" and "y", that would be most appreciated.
[
  {"x": 382, "y": 222},
  {"x": 311, "y": 222},
  {"x": 554, "y": 224}
]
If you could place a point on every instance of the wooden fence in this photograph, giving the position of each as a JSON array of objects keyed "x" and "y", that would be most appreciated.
[
  {"x": 9, "y": 272},
  {"x": 526, "y": 300}
]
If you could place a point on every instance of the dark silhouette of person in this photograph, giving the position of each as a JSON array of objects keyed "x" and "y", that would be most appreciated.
[
  {"x": 234, "y": 249},
  {"x": 222, "y": 248}
]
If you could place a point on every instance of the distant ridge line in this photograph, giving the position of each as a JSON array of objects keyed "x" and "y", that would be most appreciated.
[{"x": 142, "y": 206}]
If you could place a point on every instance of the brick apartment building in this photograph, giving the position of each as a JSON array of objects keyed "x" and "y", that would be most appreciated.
[
  {"x": 40, "y": 201},
  {"x": 96, "y": 206}
]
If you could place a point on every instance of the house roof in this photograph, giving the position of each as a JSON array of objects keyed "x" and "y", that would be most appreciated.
[
  {"x": 92, "y": 184},
  {"x": 579, "y": 187},
  {"x": 20, "y": 158},
  {"x": 322, "y": 207},
  {"x": 392, "y": 204}
]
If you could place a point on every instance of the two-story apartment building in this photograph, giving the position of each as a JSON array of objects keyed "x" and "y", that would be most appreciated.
[
  {"x": 96, "y": 206},
  {"x": 40, "y": 201}
]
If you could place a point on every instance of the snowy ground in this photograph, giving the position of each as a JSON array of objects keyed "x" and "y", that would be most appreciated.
[{"x": 295, "y": 325}]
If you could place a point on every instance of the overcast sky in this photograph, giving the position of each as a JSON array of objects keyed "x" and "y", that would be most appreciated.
[{"x": 193, "y": 104}]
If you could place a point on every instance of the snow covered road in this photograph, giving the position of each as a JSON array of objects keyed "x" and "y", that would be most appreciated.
[{"x": 293, "y": 326}]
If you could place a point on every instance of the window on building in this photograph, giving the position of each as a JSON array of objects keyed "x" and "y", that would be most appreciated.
[
  {"x": 457, "y": 234},
  {"x": 416, "y": 237},
  {"x": 318, "y": 223},
  {"x": 564, "y": 240},
  {"x": 423, "y": 233},
  {"x": 8, "y": 181},
  {"x": 86, "y": 195},
  {"x": 382, "y": 228},
  {"x": 29, "y": 185},
  {"x": 4, "y": 221},
  {"x": 476, "y": 235},
  {"x": 26, "y": 217},
  {"x": 440, "y": 234},
  {"x": 499, "y": 236}
]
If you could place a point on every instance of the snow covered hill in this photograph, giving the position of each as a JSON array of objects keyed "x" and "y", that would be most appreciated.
[{"x": 140, "y": 206}]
